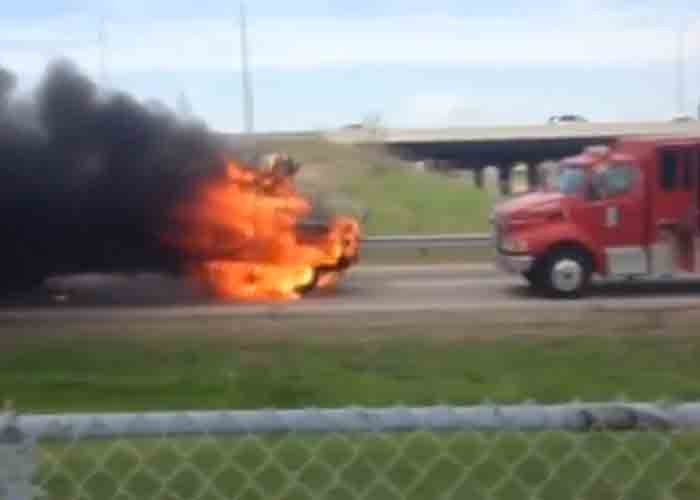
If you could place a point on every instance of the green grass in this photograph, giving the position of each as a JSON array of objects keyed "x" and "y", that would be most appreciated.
[
  {"x": 397, "y": 199},
  {"x": 247, "y": 365},
  {"x": 407, "y": 202},
  {"x": 419, "y": 465},
  {"x": 259, "y": 363}
]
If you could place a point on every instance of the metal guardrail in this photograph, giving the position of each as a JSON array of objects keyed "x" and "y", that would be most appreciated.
[{"x": 429, "y": 241}]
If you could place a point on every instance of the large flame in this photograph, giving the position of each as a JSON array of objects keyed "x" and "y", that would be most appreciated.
[{"x": 244, "y": 239}]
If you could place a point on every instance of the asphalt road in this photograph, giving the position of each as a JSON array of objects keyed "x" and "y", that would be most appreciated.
[{"x": 476, "y": 290}]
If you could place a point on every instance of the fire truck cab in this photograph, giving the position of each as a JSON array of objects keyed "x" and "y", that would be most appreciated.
[{"x": 627, "y": 211}]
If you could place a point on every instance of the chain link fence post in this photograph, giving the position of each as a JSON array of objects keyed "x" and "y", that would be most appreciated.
[{"x": 17, "y": 460}]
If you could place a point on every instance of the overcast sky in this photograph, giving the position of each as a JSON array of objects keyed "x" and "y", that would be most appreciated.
[{"x": 417, "y": 63}]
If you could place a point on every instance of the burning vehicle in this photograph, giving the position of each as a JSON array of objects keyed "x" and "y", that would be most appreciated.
[
  {"x": 94, "y": 183},
  {"x": 246, "y": 235}
]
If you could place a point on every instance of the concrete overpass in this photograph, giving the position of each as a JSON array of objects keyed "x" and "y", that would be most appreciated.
[{"x": 475, "y": 148}]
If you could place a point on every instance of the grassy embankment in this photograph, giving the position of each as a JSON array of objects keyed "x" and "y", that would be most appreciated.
[
  {"x": 139, "y": 365},
  {"x": 391, "y": 197}
]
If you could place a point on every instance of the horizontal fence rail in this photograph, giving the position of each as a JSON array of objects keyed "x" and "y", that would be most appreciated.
[
  {"x": 613, "y": 451},
  {"x": 429, "y": 241},
  {"x": 571, "y": 417}
]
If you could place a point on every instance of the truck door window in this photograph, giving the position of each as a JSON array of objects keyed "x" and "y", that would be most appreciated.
[
  {"x": 570, "y": 180},
  {"x": 668, "y": 171},
  {"x": 613, "y": 180}
]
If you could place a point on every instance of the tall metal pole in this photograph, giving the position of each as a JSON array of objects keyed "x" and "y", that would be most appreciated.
[
  {"x": 248, "y": 104},
  {"x": 680, "y": 70},
  {"x": 102, "y": 40}
]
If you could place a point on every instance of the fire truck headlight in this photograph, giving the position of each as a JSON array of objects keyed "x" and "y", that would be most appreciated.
[{"x": 514, "y": 245}]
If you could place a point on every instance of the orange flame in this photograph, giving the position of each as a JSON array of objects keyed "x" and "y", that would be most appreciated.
[{"x": 243, "y": 238}]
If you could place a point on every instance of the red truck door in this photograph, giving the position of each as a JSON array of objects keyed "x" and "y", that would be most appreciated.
[{"x": 618, "y": 195}]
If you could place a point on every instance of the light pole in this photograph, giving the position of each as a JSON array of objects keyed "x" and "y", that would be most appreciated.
[
  {"x": 248, "y": 104},
  {"x": 102, "y": 41},
  {"x": 680, "y": 68}
]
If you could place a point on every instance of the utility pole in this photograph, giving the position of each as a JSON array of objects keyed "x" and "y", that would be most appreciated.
[
  {"x": 102, "y": 41},
  {"x": 680, "y": 70},
  {"x": 248, "y": 104}
]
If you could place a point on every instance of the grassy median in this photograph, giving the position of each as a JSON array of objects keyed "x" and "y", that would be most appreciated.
[
  {"x": 254, "y": 363},
  {"x": 268, "y": 363}
]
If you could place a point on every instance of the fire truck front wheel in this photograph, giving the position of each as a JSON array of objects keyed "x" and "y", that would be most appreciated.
[
  {"x": 534, "y": 277},
  {"x": 565, "y": 273}
]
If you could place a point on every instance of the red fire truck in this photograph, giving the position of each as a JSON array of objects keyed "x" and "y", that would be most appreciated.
[{"x": 626, "y": 211}]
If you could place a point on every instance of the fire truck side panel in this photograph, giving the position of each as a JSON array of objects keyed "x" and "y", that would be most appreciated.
[{"x": 672, "y": 222}]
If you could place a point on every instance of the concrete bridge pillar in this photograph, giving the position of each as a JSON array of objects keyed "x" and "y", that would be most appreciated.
[
  {"x": 478, "y": 173},
  {"x": 533, "y": 176},
  {"x": 504, "y": 179}
]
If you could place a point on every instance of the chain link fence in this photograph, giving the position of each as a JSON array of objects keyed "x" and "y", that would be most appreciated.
[{"x": 575, "y": 451}]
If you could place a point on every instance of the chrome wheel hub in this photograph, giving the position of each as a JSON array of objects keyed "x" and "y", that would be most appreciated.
[{"x": 567, "y": 275}]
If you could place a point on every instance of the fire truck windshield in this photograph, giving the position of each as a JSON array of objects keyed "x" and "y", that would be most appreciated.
[{"x": 569, "y": 180}]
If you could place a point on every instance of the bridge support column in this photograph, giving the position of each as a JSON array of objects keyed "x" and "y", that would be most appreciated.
[
  {"x": 478, "y": 177},
  {"x": 533, "y": 176},
  {"x": 504, "y": 179}
]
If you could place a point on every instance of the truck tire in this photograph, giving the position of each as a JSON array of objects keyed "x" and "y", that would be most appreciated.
[
  {"x": 311, "y": 285},
  {"x": 319, "y": 272},
  {"x": 535, "y": 277},
  {"x": 566, "y": 273}
]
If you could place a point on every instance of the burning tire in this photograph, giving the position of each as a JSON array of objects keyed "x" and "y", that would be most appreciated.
[
  {"x": 321, "y": 278},
  {"x": 565, "y": 273},
  {"x": 311, "y": 285}
]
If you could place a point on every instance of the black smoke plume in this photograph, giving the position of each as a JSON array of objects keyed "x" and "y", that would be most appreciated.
[{"x": 88, "y": 180}]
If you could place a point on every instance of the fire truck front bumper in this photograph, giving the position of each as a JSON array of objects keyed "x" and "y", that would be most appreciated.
[{"x": 515, "y": 264}]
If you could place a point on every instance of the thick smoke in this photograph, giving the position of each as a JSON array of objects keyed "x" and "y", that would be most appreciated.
[{"x": 88, "y": 181}]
